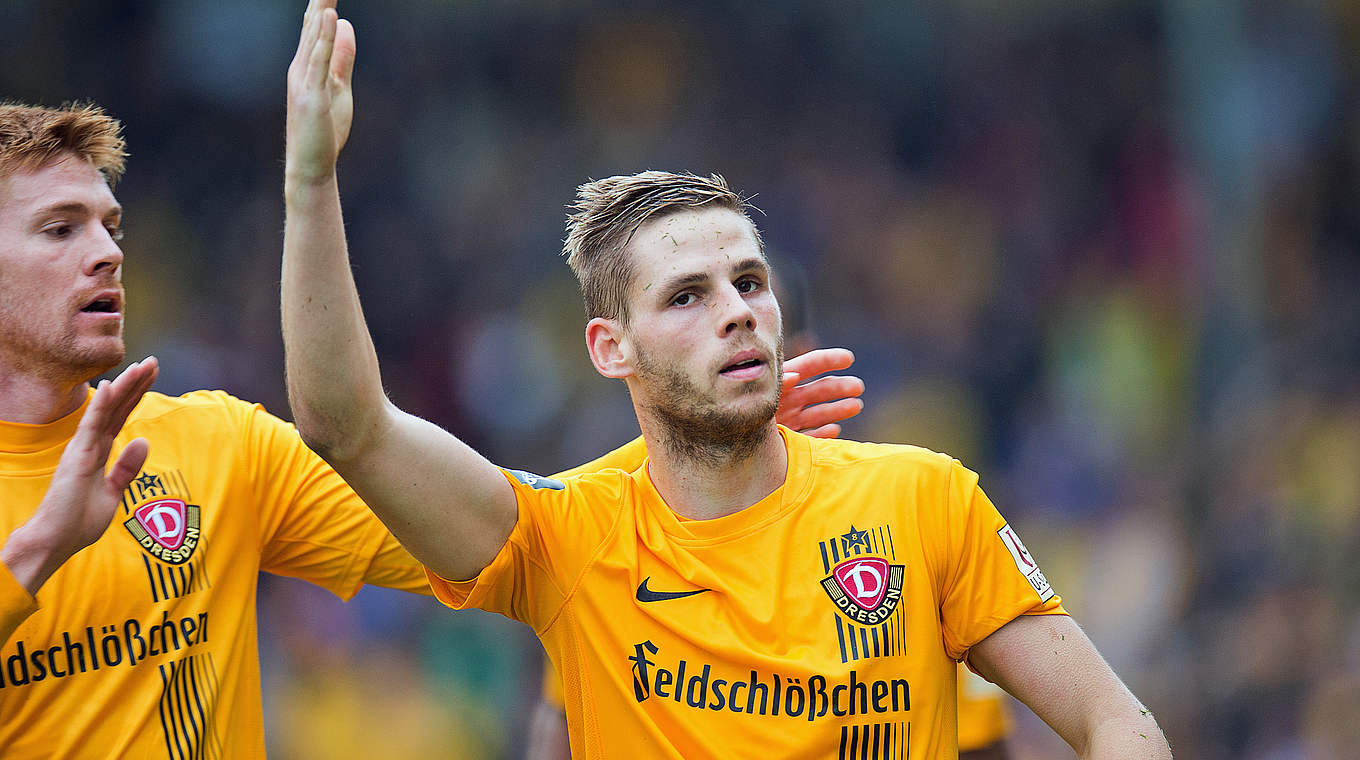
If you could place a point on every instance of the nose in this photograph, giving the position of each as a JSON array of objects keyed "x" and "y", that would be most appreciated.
[
  {"x": 105, "y": 256},
  {"x": 736, "y": 312}
]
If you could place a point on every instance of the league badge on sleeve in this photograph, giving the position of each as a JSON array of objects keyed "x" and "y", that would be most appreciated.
[{"x": 1025, "y": 563}]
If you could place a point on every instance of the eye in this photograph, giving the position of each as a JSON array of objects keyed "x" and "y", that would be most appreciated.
[
  {"x": 684, "y": 299},
  {"x": 58, "y": 231},
  {"x": 115, "y": 231},
  {"x": 747, "y": 285}
]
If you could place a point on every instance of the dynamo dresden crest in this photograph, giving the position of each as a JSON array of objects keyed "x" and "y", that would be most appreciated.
[
  {"x": 866, "y": 589},
  {"x": 166, "y": 528}
]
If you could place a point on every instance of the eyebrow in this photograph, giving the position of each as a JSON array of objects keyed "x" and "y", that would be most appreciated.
[
  {"x": 78, "y": 208},
  {"x": 696, "y": 278}
]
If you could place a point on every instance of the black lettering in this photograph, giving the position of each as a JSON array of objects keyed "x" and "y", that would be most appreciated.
[
  {"x": 880, "y": 691},
  {"x": 816, "y": 694},
  {"x": 79, "y": 650},
  {"x": 94, "y": 652},
  {"x": 187, "y": 626},
  {"x": 858, "y": 689},
  {"x": 774, "y": 703},
  {"x": 751, "y": 700},
  {"x": 794, "y": 691},
  {"x": 17, "y": 677},
  {"x": 719, "y": 701},
  {"x": 52, "y": 662},
  {"x": 836, "y": 709},
  {"x": 166, "y": 625},
  {"x": 906, "y": 694},
  {"x": 732, "y": 699},
  {"x": 39, "y": 669},
  {"x": 110, "y": 638},
  {"x": 641, "y": 683},
  {"x": 663, "y": 679},
  {"x": 697, "y": 683},
  {"x": 680, "y": 681},
  {"x": 132, "y": 637},
  {"x": 203, "y": 628}
]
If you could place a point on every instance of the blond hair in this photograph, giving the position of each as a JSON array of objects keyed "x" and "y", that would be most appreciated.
[
  {"x": 606, "y": 214},
  {"x": 31, "y": 136}
]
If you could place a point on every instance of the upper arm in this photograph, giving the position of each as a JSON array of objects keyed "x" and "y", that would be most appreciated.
[
  {"x": 1047, "y": 662},
  {"x": 446, "y": 503}
]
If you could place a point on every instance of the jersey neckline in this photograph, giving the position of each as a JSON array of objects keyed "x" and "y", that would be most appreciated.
[{"x": 791, "y": 493}]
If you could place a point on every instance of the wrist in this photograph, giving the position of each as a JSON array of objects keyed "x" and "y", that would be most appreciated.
[{"x": 32, "y": 555}]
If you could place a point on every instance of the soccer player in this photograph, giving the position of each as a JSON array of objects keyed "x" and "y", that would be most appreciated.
[
  {"x": 127, "y": 598},
  {"x": 749, "y": 591}
]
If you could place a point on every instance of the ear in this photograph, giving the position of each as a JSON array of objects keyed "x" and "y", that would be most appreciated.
[{"x": 605, "y": 340}]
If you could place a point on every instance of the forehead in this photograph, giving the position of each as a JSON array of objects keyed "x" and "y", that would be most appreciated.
[
  {"x": 65, "y": 180},
  {"x": 714, "y": 235}
]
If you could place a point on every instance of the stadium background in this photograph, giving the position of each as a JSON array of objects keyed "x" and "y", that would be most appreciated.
[{"x": 1106, "y": 252}]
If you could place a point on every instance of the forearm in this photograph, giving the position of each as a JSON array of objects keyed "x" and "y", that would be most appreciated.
[
  {"x": 1125, "y": 736},
  {"x": 334, "y": 384}
]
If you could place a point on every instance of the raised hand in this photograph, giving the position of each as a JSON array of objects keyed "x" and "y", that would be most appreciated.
[
  {"x": 817, "y": 406},
  {"x": 320, "y": 93},
  {"x": 82, "y": 497}
]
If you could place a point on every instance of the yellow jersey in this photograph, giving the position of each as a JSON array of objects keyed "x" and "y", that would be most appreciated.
[
  {"x": 144, "y": 644},
  {"x": 824, "y": 621}
]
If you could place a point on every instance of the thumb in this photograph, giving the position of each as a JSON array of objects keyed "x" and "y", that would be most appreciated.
[{"x": 129, "y": 463}]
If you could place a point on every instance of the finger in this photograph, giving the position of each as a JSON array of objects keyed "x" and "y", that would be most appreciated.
[
  {"x": 820, "y": 360},
  {"x": 319, "y": 63},
  {"x": 833, "y": 411},
  {"x": 822, "y": 390},
  {"x": 309, "y": 33},
  {"x": 825, "y": 431},
  {"x": 104, "y": 421},
  {"x": 129, "y": 463},
  {"x": 342, "y": 60},
  {"x": 89, "y": 448},
  {"x": 139, "y": 383}
]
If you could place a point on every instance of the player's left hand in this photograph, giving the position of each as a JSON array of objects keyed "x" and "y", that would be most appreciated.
[
  {"x": 815, "y": 406},
  {"x": 320, "y": 93}
]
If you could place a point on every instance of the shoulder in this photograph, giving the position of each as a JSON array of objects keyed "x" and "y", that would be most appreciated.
[
  {"x": 839, "y": 452},
  {"x": 207, "y": 410}
]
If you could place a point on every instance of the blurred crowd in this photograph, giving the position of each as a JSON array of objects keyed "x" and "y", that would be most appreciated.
[{"x": 1107, "y": 253}]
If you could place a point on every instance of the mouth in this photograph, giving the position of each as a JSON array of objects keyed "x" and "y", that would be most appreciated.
[
  {"x": 105, "y": 303},
  {"x": 744, "y": 366}
]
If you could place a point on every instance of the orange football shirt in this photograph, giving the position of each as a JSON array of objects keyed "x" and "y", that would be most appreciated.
[
  {"x": 144, "y": 644},
  {"x": 824, "y": 621}
]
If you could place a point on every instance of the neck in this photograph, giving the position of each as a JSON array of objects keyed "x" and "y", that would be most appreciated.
[
  {"x": 36, "y": 400},
  {"x": 714, "y": 482}
]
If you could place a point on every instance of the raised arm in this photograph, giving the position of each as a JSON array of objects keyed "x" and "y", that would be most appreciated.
[
  {"x": 1048, "y": 663},
  {"x": 446, "y": 503}
]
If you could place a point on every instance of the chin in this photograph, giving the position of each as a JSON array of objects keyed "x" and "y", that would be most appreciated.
[{"x": 96, "y": 360}]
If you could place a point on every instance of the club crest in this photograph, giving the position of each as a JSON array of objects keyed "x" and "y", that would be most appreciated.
[
  {"x": 168, "y": 529},
  {"x": 865, "y": 588}
]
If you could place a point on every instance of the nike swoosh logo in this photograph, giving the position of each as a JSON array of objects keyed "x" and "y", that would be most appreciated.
[{"x": 645, "y": 594}]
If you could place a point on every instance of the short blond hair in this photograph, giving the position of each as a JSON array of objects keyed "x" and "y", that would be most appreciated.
[
  {"x": 606, "y": 214},
  {"x": 31, "y": 136}
]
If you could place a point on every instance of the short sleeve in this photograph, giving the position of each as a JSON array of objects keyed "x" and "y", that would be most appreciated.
[
  {"x": 312, "y": 524},
  {"x": 990, "y": 577},
  {"x": 559, "y": 530}
]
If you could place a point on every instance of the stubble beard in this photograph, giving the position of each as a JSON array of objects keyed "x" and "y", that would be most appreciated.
[
  {"x": 703, "y": 433},
  {"x": 65, "y": 359}
]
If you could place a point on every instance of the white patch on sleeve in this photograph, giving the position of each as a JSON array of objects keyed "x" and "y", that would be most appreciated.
[{"x": 1025, "y": 563}]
